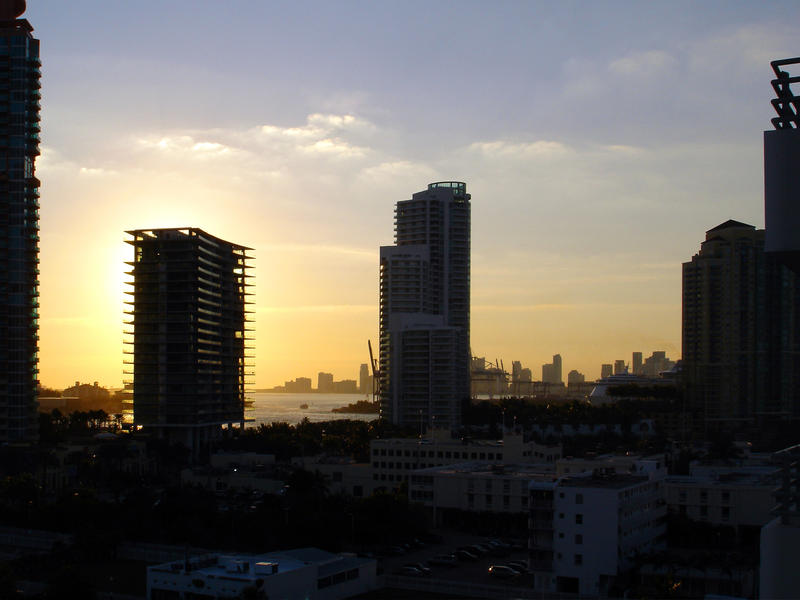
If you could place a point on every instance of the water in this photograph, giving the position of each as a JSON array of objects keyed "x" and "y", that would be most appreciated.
[{"x": 268, "y": 408}]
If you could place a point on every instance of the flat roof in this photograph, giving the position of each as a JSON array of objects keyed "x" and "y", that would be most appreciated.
[
  {"x": 488, "y": 469},
  {"x": 615, "y": 481}
]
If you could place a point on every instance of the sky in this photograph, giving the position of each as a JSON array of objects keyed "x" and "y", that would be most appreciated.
[{"x": 599, "y": 141}]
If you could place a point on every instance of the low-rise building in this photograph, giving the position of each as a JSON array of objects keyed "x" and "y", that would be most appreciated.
[
  {"x": 477, "y": 486},
  {"x": 650, "y": 466},
  {"x": 585, "y": 531},
  {"x": 239, "y": 471},
  {"x": 343, "y": 475},
  {"x": 302, "y": 573},
  {"x": 394, "y": 459},
  {"x": 736, "y": 497}
]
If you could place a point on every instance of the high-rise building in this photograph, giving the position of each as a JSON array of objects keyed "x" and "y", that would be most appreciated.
[
  {"x": 551, "y": 372},
  {"x": 606, "y": 370},
  {"x": 619, "y": 367},
  {"x": 325, "y": 382},
  {"x": 189, "y": 333},
  {"x": 741, "y": 328},
  {"x": 636, "y": 363},
  {"x": 424, "y": 321},
  {"x": 19, "y": 225},
  {"x": 575, "y": 377},
  {"x": 364, "y": 380},
  {"x": 656, "y": 363}
]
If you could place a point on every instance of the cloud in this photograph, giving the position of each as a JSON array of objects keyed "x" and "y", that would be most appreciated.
[
  {"x": 352, "y": 252},
  {"x": 524, "y": 150},
  {"x": 95, "y": 172},
  {"x": 643, "y": 64}
]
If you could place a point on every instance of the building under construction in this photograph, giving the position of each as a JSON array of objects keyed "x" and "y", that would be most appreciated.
[{"x": 189, "y": 330}]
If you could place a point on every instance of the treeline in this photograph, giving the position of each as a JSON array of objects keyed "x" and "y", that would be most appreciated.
[
  {"x": 343, "y": 437},
  {"x": 54, "y": 427},
  {"x": 526, "y": 412}
]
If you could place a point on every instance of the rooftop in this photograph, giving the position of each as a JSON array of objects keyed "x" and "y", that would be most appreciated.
[{"x": 487, "y": 469}]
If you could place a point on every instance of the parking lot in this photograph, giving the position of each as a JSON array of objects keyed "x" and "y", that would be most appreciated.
[{"x": 470, "y": 572}]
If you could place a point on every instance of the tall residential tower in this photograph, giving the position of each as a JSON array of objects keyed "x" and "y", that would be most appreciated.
[
  {"x": 190, "y": 333},
  {"x": 19, "y": 224},
  {"x": 425, "y": 309},
  {"x": 741, "y": 329}
]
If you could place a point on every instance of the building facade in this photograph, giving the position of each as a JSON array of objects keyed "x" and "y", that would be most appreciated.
[
  {"x": 741, "y": 333},
  {"x": 301, "y": 573},
  {"x": 19, "y": 228},
  {"x": 424, "y": 320},
  {"x": 585, "y": 531},
  {"x": 189, "y": 333},
  {"x": 394, "y": 459}
]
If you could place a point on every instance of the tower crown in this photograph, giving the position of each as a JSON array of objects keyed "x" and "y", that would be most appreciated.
[{"x": 11, "y": 9}]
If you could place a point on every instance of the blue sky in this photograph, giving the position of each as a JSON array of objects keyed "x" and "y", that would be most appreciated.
[{"x": 599, "y": 141}]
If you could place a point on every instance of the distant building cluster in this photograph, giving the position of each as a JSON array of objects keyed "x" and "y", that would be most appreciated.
[{"x": 327, "y": 385}]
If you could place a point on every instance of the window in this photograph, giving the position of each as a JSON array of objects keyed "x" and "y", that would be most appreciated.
[
  {"x": 560, "y": 515},
  {"x": 682, "y": 496},
  {"x": 578, "y": 559},
  {"x": 704, "y": 512},
  {"x": 578, "y": 538},
  {"x": 726, "y": 497},
  {"x": 704, "y": 496},
  {"x": 506, "y": 501},
  {"x": 561, "y": 535},
  {"x": 578, "y": 498},
  {"x": 488, "y": 500},
  {"x": 579, "y": 519},
  {"x": 726, "y": 513}
]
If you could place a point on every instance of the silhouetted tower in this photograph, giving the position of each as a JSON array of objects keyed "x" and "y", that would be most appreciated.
[
  {"x": 782, "y": 169},
  {"x": 741, "y": 336},
  {"x": 19, "y": 225},
  {"x": 636, "y": 363},
  {"x": 425, "y": 309},
  {"x": 190, "y": 333}
]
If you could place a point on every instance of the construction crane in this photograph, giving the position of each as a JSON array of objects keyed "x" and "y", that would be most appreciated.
[{"x": 375, "y": 371}]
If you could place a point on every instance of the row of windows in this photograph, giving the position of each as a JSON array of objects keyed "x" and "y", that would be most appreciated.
[
  {"x": 724, "y": 496},
  {"x": 439, "y": 454}
]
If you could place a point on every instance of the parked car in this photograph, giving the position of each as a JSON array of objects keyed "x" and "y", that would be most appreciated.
[
  {"x": 464, "y": 555},
  {"x": 419, "y": 566},
  {"x": 444, "y": 560},
  {"x": 503, "y": 572},
  {"x": 518, "y": 565}
]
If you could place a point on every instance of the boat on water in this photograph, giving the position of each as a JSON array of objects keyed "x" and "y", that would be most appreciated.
[{"x": 304, "y": 406}]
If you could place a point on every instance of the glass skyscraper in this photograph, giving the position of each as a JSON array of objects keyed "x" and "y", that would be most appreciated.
[{"x": 19, "y": 228}]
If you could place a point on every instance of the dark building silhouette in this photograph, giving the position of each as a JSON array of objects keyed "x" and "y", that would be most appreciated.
[
  {"x": 741, "y": 334},
  {"x": 782, "y": 167},
  {"x": 190, "y": 333},
  {"x": 19, "y": 224},
  {"x": 424, "y": 322}
]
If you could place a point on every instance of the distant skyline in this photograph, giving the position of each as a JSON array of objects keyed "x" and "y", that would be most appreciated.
[{"x": 599, "y": 142}]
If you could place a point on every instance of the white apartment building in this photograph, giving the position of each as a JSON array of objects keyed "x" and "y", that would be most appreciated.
[
  {"x": 302, "y": 573},
  {"x": 477, "y": 486},
  {"x": 394, "y": 459},
  {"x": 653, "y": 466},
  {"x": 724, "y": 497},
  {"x": 584, "y": 531}
]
